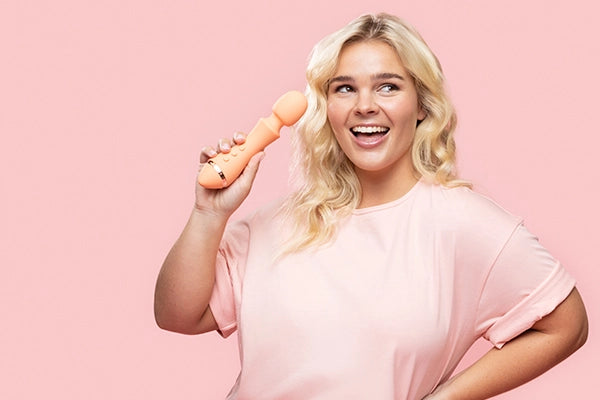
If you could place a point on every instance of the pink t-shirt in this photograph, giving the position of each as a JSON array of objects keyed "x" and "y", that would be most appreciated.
[{"x": 389, "y": 308}]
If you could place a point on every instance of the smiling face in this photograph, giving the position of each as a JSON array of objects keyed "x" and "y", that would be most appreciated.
[{"x": 373, "y": 109}]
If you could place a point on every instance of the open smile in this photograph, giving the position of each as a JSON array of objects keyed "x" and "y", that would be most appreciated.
[
  {"x": 369, "y": 136},
  {"x": 369, "y": 130}
]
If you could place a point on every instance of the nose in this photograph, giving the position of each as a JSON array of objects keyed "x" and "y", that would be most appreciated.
[{"x": 366, "y": 103}]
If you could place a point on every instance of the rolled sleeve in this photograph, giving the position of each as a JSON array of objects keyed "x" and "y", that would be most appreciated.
[
  {"x": 525, "y": 284},
  {"x": 225, "y": 297},
  {"x": 222, "y": 303}
]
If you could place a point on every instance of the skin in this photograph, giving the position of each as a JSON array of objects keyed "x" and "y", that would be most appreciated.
[
  {"x": 187, "y": 276},
  {"x": 370, "y": 88},
  {"x": 548, "y": 342}
]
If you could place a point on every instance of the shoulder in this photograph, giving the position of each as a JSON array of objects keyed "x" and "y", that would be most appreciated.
[
  {"x": 479, "y": 227},
  {"x": 475, "y": 226},
  {"x": 266, "y": 214},
  {"x": 257, "y": 230},
  {"x": 463, "y": 206},
  {"x": 264, "y": 217}
]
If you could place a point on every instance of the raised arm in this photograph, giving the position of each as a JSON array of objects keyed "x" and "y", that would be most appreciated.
[
  {"x": 187, "y": 276},
  {"x": 548, "y": 342}
]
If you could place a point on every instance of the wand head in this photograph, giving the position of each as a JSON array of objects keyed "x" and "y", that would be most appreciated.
[{"x": 290, "y": 107}]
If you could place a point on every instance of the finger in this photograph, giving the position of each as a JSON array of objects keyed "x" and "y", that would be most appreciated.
[
  {"x": 239, "y": 137},
  {"x": 249, "y": 173},
  {"x": 224, "y": 145},
  {"x": 206, "y": 153}
]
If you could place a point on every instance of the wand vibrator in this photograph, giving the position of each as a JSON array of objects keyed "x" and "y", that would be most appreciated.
[{"x": 220, "y": 171}]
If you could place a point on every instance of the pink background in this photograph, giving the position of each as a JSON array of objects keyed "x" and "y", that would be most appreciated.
[{"x": 104, "y": 106}]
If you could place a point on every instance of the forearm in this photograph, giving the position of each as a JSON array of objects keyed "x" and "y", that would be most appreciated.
[
  {"x": 501, "y": 370},
  {"x": 551, "y": 340},
  {"x": 187, "y": 276}
]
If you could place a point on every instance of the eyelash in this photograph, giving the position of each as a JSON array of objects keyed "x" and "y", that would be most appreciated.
[
  {"x": 391, "y": 87},
  {"x": 341, "y": 89},
  {"x": 347, "y": 88}
]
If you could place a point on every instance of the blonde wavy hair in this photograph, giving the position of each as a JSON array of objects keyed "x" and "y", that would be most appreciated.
[{"x": 328, "y": 189}]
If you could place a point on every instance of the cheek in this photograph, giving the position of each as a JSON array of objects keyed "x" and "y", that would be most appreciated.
[
  {"x": 403, "y": 113},
  {"x": 335, "y": 114}
]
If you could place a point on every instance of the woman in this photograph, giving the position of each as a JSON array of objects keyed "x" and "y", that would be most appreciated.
[{"x": 378, "y": 273}]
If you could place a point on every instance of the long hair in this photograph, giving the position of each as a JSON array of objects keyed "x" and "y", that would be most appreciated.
[{"x": 327, "y": 186}]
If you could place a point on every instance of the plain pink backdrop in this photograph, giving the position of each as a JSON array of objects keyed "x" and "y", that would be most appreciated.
[{"x": 104, "y": 106}]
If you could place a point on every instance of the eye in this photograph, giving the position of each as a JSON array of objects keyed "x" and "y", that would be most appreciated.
[
  {"x": 388, "y": 88},
  {"x": 344, "y": 89}
]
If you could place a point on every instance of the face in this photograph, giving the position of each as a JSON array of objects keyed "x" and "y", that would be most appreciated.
[{"x": 373, "y": 109}]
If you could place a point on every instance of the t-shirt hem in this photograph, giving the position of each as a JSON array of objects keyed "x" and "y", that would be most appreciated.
[
  {"x": 222, "y": 290},
  {"x": 225, "y": 328}
]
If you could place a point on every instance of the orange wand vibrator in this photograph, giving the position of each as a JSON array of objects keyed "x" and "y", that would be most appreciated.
[{"x": 220, "y": 171}]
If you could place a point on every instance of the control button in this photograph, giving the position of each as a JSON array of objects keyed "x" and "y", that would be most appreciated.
[
  {"x": 226, "y": 159},
  {"x": 242, "y": 148},
  {"x": 234, "y": 154}
]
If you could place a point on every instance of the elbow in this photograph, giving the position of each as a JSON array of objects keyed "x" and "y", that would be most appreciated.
[
  {"x": 576, "y": 339},
  {"x": 174, "y": 322},
  {"x": 163, "y": 321},
  {"x": 173, "y": 325},
  {"x": 161, "y": 317},
  {"x": 582, "y": 335},
  {"x": 166, "y": 320},
  {"x": 578, "y": 328},
  {"x": 166, "y": 316},
  {"x": 580, "y": 324},
  {"x": 566, "y": 326}
]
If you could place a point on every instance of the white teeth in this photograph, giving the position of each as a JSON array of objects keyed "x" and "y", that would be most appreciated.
[{"x": 369, "y": 129}]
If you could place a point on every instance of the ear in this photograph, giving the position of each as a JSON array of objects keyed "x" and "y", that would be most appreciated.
[{"x": 422, "y": 114}]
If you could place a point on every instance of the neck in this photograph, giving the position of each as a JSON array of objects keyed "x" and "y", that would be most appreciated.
[{"x": 380, "y": 188}]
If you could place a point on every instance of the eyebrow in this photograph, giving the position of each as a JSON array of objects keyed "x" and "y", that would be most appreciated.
[
  {"x": 387, "y": 75},
  {"x": 376, "y": 77}
]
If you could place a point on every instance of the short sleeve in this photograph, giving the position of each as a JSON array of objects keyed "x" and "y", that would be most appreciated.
[
  {"x": 525, "y": 284},
  {"x": 228, "y": 277}
]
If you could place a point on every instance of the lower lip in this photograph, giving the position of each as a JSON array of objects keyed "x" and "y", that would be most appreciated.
[{"x": 370, "y": 143}]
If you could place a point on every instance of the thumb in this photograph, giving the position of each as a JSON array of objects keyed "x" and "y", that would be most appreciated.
[{"x": 249, "y": 173}]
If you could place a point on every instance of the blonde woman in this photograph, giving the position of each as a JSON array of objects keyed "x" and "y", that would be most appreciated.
[{"x": 377, "y": 274}]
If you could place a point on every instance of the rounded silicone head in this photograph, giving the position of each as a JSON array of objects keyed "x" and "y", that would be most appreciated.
[{"x": 290, "y": 107}]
